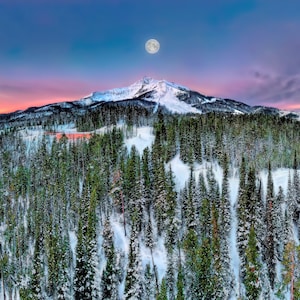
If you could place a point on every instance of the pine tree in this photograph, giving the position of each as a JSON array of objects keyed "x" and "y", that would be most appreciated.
[
  {"x": 205, "y": 218},
  {"x": 203, "y": 269},
  {"x": 81, "y": 270},
  {"x": 63, "y": 285},
  {"x": 200, "y": 194},
  {"x": 289, "y": 267},
  {"x": 171, "y": 222},
  {"x": 278, "y": 220},
  {"x": 133, "y": 280},
  {"x": 149, "y": 239},
  {"x": 259, "y": 224},
  {"x": 190, "y": 210},
  {"x": 180, "y": 284},
  {"x": 296, "y": 184},
  {"x": 224, "y": 229},
  {"x": 160, "y": 194},
  {"x": 92, "y": 253},
  {"x": 170, "y": 274},
  {"x": 246, "y": 211},
  {"x": 216, "y": 254},
  {"x": 36, "y": 282},
  {"x": 225, "y": 203},
  {"x": 132, "y": 186},
  {"x": 242, "y": 215},
  {"x": 291, "y": 204},
  {"x": 252, "y": 276},
  {"x": 52, "y": 255},
  {"x": 148, "y": 284},
  {"x": 109, "y": 276},
  {"x": 147, "y": 179},
  {"x": 162, "y": 295},
  {"x": 269, "y": 252}
]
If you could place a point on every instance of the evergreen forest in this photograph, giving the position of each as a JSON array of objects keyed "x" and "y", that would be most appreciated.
[{"x": 103, "y": 218}]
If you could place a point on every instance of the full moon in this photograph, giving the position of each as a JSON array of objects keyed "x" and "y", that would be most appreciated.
[{"x": 152, "y": 46}]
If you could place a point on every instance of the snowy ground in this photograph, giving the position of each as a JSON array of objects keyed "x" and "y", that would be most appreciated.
[
  {"x": 280, "y": 178},
  {"x": 142, "y": 138}
]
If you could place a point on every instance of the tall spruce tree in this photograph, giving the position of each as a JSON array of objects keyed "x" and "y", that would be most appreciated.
[
  {"x": 81, "y": 269},
  {"x": 109, "y": 275},
  {"x": 224, "y": 229},
  {"x": 242, "y": 215},
  {"x": 252, "y": 277},
  {"x": 133, "y": 280},
  {"x": 269, "y": 251}
]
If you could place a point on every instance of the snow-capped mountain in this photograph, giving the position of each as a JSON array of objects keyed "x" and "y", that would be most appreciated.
[
  {"x": 160, "y": 92},
  {"x": 150, "y": 93}
]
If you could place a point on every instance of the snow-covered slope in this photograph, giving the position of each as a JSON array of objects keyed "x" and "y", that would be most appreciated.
[
  {"x": 161, "y": 92},
  {"x": 139, "y": 88}
]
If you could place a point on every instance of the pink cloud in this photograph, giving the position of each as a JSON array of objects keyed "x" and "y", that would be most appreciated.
[{"x": 21, "y": 94}]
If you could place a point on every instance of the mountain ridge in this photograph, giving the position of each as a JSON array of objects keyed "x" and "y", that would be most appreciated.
[{"x": 170, "y": 96}]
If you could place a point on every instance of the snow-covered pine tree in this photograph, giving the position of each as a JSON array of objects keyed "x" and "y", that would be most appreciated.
[
  {"x": 180, "y": 282},
  {"x": 200, "y": 194},
  {"x": 289, "y": 264},
  {"x": 134, "y": 280},
  {"x": 92, "y": 246},
  {"x": 159, "y": 193},
  {"x": 147, "y": 180},
  {"x": 269, "y": 250},
  {"x": 296, "y": 184},
  {"x": 52, "y": 248},
  {"x": 171, "y": 221},
  {"x": 189, "y": 202},
  {"x": 242, "y": 215},
  {"x": 162, "y": 295},
  {"x": 217, "y": 276},
  {"x": 224, "y": 229},
  {"x": 148, "y": 284},
  {"x": 170, "y": 274},
  {"x": 278, "y": 221},
  {"x": 81, "y": 269},
  {"x": 37, "y": 273},
  {"x": 109, "y": 276}
]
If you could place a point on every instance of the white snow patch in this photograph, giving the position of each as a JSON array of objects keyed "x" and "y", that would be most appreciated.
[
  {"x": 171, "y": 102},
  {"x": 237, "y": 112},
  {"x": 280, "y": 178},
  {"x": 121, "y": 242},
  {"x": 66, "y": 128},
  {"x": 180, "y": 170},
  {"x": 206, "y": 100},
  {"x": 160, "y": 258},
  {"x": 143, "y": 138},
  {"x": 234, "y": 255},
  {"x": 73, "y": 243}
]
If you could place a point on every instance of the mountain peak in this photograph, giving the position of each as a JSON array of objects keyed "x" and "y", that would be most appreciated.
[{"x": 161, "y": 92}]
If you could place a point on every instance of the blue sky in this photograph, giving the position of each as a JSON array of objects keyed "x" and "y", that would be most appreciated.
[{"x": 56, "y": 50}]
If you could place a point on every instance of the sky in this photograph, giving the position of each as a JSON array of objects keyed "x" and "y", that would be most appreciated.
[{"x": 62, "y": 50}]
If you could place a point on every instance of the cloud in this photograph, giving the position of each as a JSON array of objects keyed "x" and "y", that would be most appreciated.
[
  {"x": 20, "y": 94},
  {"x": 275, "y": 90}
]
